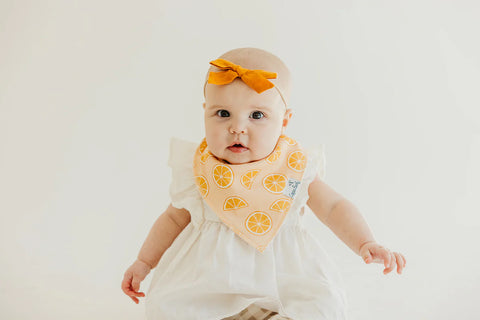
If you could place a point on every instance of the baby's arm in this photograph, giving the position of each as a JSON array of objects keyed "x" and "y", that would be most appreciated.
[
  {"x": 348, "y": 224},
  {"x": 162, "y": 234},
  {"x": 165, "y": 230}
]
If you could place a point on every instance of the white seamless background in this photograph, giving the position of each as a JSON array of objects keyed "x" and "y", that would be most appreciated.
[{"x": 92, "y": 91}]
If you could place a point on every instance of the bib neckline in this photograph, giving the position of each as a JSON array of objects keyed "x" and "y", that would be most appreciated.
[{"x": 252, "y": 198}]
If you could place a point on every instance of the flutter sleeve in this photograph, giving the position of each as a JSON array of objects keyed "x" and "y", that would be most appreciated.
[
  {"x": 315, "y": 164},
  {"x": 183, "y": 191}
]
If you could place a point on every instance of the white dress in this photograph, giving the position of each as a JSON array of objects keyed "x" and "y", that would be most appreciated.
[{"x": 210, "y": 273}]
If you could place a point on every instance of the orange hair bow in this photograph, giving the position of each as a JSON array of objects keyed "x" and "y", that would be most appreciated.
[{"x": 255, "y": 79}]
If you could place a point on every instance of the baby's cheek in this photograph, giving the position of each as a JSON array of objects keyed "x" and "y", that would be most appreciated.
[
  {"x": 212, "y": 131},
  {"x": 267, "y": 144}
]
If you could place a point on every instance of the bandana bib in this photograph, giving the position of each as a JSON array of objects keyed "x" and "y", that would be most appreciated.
[{"x": 253, "y": 198}]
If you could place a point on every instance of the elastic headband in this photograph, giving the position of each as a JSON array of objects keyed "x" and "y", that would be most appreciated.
[{"x": 255, "y": 79}]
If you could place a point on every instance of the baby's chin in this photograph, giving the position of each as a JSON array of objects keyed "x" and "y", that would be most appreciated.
[
  {"x": 242, "y": 158},
  {"x": 235, "y": 159}
]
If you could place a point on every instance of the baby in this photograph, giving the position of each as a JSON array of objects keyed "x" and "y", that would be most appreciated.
[{"x": 236, "y": 245}]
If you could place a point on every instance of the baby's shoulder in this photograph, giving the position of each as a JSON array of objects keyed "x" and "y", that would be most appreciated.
[
  {"x": 315, "y": 162},
  {"x": 181, "y": 152}
]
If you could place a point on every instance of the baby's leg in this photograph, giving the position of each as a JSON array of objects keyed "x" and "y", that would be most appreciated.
[{"x": 253, "y": 312}]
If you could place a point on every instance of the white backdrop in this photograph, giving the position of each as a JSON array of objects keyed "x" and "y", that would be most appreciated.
[{"x": 92, "y": 91}]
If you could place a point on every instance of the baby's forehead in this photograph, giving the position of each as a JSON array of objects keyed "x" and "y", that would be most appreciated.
[{"x": 240, "y": 96}]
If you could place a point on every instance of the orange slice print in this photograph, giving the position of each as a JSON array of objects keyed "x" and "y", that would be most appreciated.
[
  {"x": 204, "y": 157},
  {"x": 222, "y": 175},
  {"x": 274, "y": 156},
  {"x": 202, "y": 185},
  {"x": 288, "y": 140},
  {"x": 297, "y": 161},
  {"x": 281, "y": 205},
  {"x": 233, "y": 203},
  {"x": 258, "y": 223},
  {"x": 247, "y": 179},
  {"x": 203, "y": 145},
  {"x": 275, "y": 182}
]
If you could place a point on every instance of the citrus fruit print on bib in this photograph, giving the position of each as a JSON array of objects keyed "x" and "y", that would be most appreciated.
[{"x": 253, "y": 198}]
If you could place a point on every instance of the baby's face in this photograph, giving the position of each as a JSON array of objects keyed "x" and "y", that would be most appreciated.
[{"x": 242, "y": 125}]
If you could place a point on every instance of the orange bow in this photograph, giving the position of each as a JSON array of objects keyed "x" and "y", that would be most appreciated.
[{"x": 255, "y": 79}]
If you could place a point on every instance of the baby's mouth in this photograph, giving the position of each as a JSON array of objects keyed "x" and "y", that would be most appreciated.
[{"x": 237, "y": 148}]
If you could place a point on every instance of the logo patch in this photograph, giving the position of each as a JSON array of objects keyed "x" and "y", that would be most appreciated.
[{"x": 291, "y": 188}]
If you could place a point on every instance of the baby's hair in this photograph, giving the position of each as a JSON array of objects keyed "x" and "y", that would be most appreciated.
[{"x": 254, "y": 58}]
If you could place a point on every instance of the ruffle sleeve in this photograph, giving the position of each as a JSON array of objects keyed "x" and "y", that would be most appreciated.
[
  {"x": 315, "y": 165},
  {"x": 183, "y": 191}
]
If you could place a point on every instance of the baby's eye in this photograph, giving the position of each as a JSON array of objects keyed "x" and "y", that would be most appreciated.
[
  {"x": 257, "y": 115},
  {"x": 223, "y": 113}
]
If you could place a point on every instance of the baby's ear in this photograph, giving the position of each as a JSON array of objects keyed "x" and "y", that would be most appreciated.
[
  {"x": 287, "y": 117},
  {"x": 204, "y": 105}
]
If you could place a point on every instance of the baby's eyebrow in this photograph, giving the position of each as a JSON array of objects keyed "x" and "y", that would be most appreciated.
[
  {"x": 215, "y": 106},
  {"x": 261, "y": 108},
  {"x": 252, "y": 107}
]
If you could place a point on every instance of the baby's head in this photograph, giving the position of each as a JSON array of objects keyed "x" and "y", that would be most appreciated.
[{"x": 242, "y": 125}]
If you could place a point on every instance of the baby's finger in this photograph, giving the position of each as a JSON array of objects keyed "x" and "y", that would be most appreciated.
[
  {"x": 135, "y": 300},
  {"x": 127, "y": 287},
  {"x": 399, "y": 262},
  {"x": 367, "y": 257},
  {"x": 393, "y": 261},
  {"x": 132, "y": 293},
  {"x": 126, "y": 282},
  {"x": 135, "y": 284},
  {"x": 386, "y": 256},
  {"x": 391, "y": 264}
]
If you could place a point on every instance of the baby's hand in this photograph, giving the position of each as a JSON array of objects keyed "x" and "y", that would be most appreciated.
[
  {"x": 132, "y": 278},
  {"x": 373, "y": 252}
]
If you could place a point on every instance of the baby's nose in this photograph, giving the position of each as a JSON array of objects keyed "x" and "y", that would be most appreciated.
[
  {"x": 237, "y": 130},
  {"x": 238, "y": 127}
]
